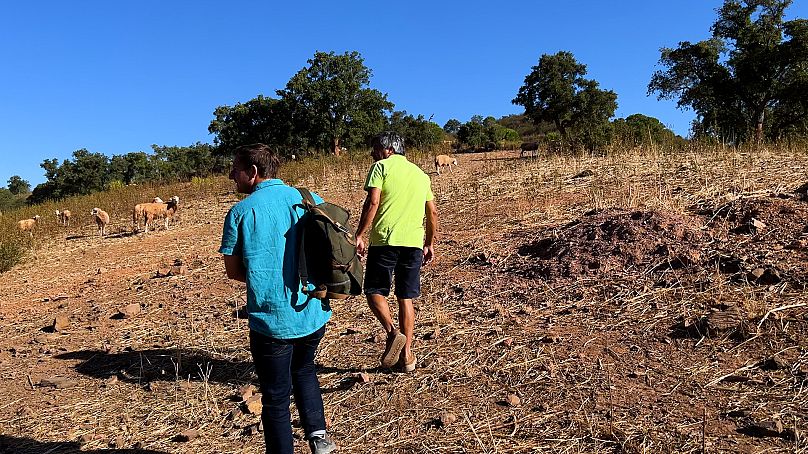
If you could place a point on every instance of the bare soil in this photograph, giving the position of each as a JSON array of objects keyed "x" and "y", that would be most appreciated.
[{"x": 631, "y": 308}]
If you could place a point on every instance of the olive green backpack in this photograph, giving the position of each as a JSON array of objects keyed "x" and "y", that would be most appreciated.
[{"x": 327, "y": 251}]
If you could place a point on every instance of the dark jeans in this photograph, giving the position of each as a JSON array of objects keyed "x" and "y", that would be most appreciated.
[{"x": 283, "y": 366}]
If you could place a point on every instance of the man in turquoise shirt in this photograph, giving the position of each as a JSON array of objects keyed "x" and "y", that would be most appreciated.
[{"x": 260, "y": 247}]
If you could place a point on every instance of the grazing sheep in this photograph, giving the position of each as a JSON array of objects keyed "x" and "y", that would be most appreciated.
[
  {"x": 155, "y": 211},
  {"x": 27, "y": 225},
  {"x": 444, "y": 160},
  {"x": 101, "y": 219},
  {"x": 137, "y": 213},
  {"x": 63, "y": 217}
]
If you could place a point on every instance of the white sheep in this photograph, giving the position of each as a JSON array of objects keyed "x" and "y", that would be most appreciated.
[
  {"x": 101, "y": 219},
  {"x": 63, "y": 217},
  {"x": 444, "y": 160},
  {"x": 137, "y": 213},
  {"x": 27, "y": 225},
  {"x": 155, "y": 211}
]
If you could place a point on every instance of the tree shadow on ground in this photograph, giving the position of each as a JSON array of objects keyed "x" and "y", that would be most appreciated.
[
  {"x": 17, "y": 445},
  {"x": 159, "y": 365}
]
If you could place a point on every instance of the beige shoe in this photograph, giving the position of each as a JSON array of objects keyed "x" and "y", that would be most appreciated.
[
  {"x": 405, "y": 365},
  {"x": 392, "y": 349}
]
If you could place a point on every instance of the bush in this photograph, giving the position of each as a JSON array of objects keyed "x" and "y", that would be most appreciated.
[{"x": 10, "y": 255}]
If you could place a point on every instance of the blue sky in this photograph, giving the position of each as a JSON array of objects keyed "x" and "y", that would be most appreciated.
[{"x": 116, "y": 77}]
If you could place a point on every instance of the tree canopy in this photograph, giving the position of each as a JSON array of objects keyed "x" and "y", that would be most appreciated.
[
  {"x": 556, "y": 91},
  {"x": 749, "y": 80},
  {"x": 16, "y": 185}
]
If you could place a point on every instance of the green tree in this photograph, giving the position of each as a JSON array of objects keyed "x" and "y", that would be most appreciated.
[
  {"x": 472, "y": 133},
  {"x": 417, "y": 131},
  {"x": 184, "y": 163},
  {"x": 639, "y": 129},
  {"x": 556, "y": 91},
  {"x": 18, "y": 186},
  {"x": 262, "y": 119},
  {"x": 451, "y": 126},
  {"x": 330, "y": 98},
  {"x": 747, "y": 80}
]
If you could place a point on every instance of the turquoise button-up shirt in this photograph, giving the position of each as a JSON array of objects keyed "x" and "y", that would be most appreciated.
[{"x": 262, "y": 229}]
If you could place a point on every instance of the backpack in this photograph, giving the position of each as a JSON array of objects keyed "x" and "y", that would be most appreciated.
[{"x": 327, "y": 251}]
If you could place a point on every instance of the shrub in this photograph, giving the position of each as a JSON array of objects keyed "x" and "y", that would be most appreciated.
[{"x": 10, "y": 255}]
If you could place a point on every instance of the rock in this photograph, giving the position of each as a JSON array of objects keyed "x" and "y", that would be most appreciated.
[
  {"x": 584, "y": 173},
  {"x": 130, "y": 310},
  {"x": 723, "y": 320},
  {"x": 178, "y": 270},
  {"x": 768, "y": 429},
  {"x": 513, "y": 400},
  {"x": 235, "y": 414},
  {"x": 363, "y": 377},
  {"x": 86, "y": 438},
  {"x": 186, "y": 435},
  {"x": 764, "y": 276},
  {"x": 773, "y": 363},
  {"x": 245, "y": 392},
  {"x": 507, "y": 342},
  {"x": 60, "y": 323},
  {"x": 253, "y": 405},
  {"x": 57, "y": 382},
  {"x": 432, "y": 335},
  {"x": 447, "y": 418},
  {"x": 757, "y": 225},
  {"x": 101, "y": 270}
]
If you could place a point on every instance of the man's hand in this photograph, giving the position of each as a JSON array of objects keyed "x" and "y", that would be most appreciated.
[
  {"x": 429, "y": 254},
  {"x": 361, "y": 246}
]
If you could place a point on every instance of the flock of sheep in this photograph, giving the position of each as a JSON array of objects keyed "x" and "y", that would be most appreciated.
[{"x": 149, "y": 213}]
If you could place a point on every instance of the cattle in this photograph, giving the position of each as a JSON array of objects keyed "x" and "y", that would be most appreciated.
[{"x": 529, "y": 149}]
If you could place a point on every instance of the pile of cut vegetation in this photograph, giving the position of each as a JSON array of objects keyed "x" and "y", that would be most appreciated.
[{"x": 614, "y": 242}]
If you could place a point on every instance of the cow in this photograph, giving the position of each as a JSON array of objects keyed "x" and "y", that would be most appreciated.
[{"x": 529, "y": 148}]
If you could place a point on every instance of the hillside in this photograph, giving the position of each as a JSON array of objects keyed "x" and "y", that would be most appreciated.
[{"x": 638, "y": 302}]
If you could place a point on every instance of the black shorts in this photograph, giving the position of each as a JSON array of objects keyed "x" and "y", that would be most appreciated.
[{"x": 383, "y": 261}]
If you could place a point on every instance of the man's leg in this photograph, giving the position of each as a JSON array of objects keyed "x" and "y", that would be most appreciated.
[
  {"x": 308, "y": 398},
  {"x": 378, "y": 278},
  {"x": 408, "y": 287},
  {"x": 273, "y": 359}
]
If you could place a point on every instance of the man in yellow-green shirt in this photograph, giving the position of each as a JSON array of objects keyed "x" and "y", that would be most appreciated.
[{"x": 399, "y": 197}]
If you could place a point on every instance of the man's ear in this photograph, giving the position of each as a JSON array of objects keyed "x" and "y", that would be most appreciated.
[{"x": 253, "y": 171}]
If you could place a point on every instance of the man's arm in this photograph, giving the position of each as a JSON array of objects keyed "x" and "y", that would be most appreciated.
[
  {"x": 235, "y": 268},
  {"x": 369, "y": 209},
  {"x": 431, "y": 211}
]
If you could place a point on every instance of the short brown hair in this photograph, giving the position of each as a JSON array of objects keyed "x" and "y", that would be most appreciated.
[{"x": 260, "y": 156}]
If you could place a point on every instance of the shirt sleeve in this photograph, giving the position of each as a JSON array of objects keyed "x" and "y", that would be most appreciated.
[
  {"x": 375, "y": 177},
  {"x": 429, "y": 195},
  {"x": 231, "y": 240}
]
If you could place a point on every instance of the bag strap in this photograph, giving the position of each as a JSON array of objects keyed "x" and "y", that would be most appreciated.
[{"x": 302, "y": 270}]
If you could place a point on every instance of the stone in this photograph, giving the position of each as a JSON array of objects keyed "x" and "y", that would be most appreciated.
[
  {"x": 130, "y": 310},
  {"x": 245, "y": 392},
  {"x": 513, "y": 400},
  {"x": 363, "y": 377},
  {"x": 60, "y": 323},
  {"x": 178, "y": 270},
  {"x": 253, "y": 405},
  {"x": 186, "y": 435},
  {"x": 447, "y": 418},
  {"x": 57, "y": 382}
]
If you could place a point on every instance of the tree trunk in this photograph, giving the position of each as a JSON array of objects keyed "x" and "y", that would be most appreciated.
[
  {"x": 759, "y": 126},
  {"x": 335, "y": 148}
]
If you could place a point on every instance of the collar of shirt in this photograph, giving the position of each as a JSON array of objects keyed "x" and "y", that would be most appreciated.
[{"x": 267, "y": 183}]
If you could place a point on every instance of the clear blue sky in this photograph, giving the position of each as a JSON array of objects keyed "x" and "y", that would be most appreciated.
[{"x": 116, "y": 77}]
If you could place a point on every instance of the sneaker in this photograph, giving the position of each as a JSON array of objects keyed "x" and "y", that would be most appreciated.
[
  {"x": 395, "y": 342},
  {"x": 322, "y": 445},
  {"x": 407, "y": 366}
]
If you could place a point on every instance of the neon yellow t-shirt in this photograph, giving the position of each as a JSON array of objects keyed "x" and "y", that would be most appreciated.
[{"x": 405, "y": 191}]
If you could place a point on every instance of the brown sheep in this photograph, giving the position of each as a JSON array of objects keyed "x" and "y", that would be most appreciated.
[
  {"x": 101, "y": 219},
  {"x": 27, "y": 225},
  {"x": 63, "y": 217},
  {"x": 137, "y": 213},
  {"x": 155, "y": 211},
  {"x": 444, "y": 160}
]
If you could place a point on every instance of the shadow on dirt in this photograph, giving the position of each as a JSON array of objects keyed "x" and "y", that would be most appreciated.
[
  {"x": 159, "y": 365},
  {"x": 16, "y": 445}
]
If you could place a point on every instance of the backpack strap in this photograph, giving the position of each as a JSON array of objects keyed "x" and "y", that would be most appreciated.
[{"x": 307, "y": 203}]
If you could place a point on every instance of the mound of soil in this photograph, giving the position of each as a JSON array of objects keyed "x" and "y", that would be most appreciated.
[{"x": 614, "y": 241}]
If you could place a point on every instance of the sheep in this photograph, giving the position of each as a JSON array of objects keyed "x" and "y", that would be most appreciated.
[
  {"x": 101, "y": 219},
  {"x": 154, "y": 211},
  {"x": 63, "y": 217},
  {"x": 27, "y": 225},
  {"x": 137, "y": 213},
  {"x": 444, "y": 160}
]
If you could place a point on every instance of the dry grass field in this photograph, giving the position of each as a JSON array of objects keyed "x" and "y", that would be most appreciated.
[{"x": 645, "y": 301}]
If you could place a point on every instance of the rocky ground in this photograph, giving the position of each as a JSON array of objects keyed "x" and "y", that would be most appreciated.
[{"x": 644, "y": 302}]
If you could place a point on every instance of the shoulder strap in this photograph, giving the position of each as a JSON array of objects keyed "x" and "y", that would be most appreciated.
[{"x": 302, "y": 269}]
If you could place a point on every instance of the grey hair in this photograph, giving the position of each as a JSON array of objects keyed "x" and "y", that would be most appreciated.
[{"x": 389, "y": 140}]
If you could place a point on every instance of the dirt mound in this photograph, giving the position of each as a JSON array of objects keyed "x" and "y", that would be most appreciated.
[{"x": 614, "y": 241}]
